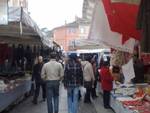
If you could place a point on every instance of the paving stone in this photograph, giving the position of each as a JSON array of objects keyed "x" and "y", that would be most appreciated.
[{"x": 41, "y": 107}]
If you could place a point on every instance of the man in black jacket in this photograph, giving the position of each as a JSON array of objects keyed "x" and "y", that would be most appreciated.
[{"x": 38, "y": 80}]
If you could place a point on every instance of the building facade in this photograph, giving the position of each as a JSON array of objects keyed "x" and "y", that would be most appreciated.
[
  {"x": 18, "y": 3},
  {"x": 88, "y": 8},
  {"x": 66, "y": 35}
]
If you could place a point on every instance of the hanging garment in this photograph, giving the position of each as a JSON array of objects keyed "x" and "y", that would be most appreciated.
[{"x": 143, "y": 23}]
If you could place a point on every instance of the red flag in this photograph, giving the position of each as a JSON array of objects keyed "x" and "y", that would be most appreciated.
[{"x": 122, "y": 18}]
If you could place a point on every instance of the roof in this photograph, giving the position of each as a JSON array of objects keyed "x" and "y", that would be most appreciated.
[{"x": 76, "y": 23}]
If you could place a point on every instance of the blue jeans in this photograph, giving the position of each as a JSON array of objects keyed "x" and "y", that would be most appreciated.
[
  {"x": 52, "y": 88},
  {"x": 73, "y": 94}
]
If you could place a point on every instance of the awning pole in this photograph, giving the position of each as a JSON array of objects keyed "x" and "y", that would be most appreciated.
[{"x": 21, "y": 29}]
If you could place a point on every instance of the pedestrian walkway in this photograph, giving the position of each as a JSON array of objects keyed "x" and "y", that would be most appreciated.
[
  {"x": 41, "y": 107},
  {"x": 98, "y": 104}
]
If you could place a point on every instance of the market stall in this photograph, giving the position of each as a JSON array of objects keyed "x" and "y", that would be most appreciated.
[
  {"x": 115, "y": 24},
  {"x": 20, "y": 42},
  {"x": 131, "y": 99}
]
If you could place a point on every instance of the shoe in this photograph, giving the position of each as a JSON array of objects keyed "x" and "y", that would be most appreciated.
[
  {"x": 107, "y": 107},
  {"x": 44, "y": 99},
  {"x": 94, "y": 97},
  {"x": 34, "y": 102}
]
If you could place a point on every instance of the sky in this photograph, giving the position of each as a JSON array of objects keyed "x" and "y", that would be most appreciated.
[{"x": 54, "y": 13}]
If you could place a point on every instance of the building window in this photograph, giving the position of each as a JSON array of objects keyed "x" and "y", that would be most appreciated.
[
  {"x": 71, "y": 30},
  {"x": 82, "y": 30}
]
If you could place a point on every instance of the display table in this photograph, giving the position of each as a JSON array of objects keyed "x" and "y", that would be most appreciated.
[
  {"x": 129, "y": 105},
  {"x": 7, "y": 98},
  {"x": 118, "y": 107}
]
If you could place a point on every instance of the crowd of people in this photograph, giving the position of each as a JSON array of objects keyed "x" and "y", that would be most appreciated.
[{"x": 73, "y": 73}]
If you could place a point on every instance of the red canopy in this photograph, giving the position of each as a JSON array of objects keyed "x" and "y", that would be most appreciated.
[{"x": 122, "y": 18}]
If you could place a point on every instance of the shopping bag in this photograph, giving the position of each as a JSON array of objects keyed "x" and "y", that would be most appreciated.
[{"x": 82, "y": 91}]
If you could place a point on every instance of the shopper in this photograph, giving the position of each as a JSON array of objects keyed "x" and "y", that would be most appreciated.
[
  {"x": 89, "y": 78},
  {"x": 106, "y": 83},
  {"x": 36, "y": 76},
  {"x": 139, "y": 71},
  {"x": 96, "y": 75},
  {"x": 52, "y": 72},
  {"x": 73, "y": 79}
]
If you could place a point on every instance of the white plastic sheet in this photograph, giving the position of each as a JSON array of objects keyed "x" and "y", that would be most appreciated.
[
  {"x": 100, "y": 31},
  {"x": 128, "y": 71}
]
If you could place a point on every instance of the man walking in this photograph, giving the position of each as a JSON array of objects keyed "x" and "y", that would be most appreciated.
[
  {"x": 89, "y": 78},
  {"x": 73, "y": 79},
  {"x": 52, "y": 72},
  {"x": 38, "y": 80}
]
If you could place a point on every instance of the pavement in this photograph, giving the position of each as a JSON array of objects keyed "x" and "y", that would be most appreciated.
[{"x": 27, "y": 106}]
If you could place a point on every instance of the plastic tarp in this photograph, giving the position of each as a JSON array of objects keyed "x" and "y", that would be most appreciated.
[
  {"x": 101, "y": 32},
  {"x": 21, "y": 25},
  {"x": 122, "y": 18},
  {"x": 87, "y": 44}
]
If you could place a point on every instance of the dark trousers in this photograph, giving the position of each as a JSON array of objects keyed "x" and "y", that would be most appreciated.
[
  {"x": 88, "y": 86},
  {"x": 94, "y": 89},
  {"x": 52, "y": 96},
  {"x": 88, "y": 95},
  {"x": 106, "y": 98},
  {"x": 37, "y": 91}
]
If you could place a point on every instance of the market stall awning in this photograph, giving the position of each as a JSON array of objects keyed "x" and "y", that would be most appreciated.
[
  {"x": 122, "y": 17},
  {"x": 86, "y": 44},
  {"x": 21, "y": 25},
  {"x": 101, "y": 31}
]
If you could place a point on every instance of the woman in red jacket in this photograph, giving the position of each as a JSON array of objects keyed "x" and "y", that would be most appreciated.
[{"x": 106, "y": 83}]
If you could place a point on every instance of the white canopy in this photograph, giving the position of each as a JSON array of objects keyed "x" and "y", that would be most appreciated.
[
  {"x": 21, "y": 26},
  {"x": 86, "y": 44}
]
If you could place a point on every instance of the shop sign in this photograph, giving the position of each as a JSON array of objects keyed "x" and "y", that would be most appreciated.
[
  {"x": 3, "y": 12},
  {"x": 146, "y": 58}
]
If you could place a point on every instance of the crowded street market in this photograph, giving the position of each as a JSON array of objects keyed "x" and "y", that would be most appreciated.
[{"x": 97, "y": 63}]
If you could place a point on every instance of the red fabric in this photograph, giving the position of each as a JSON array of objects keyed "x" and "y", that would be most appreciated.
[
  {"x": 122, "y": 18},
  {"x": 4, "y": 52},
  {"x": 106, "y": 79}
]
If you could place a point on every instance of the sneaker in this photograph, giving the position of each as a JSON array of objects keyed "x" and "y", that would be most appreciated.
[{"x": 94, "y": 97}]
